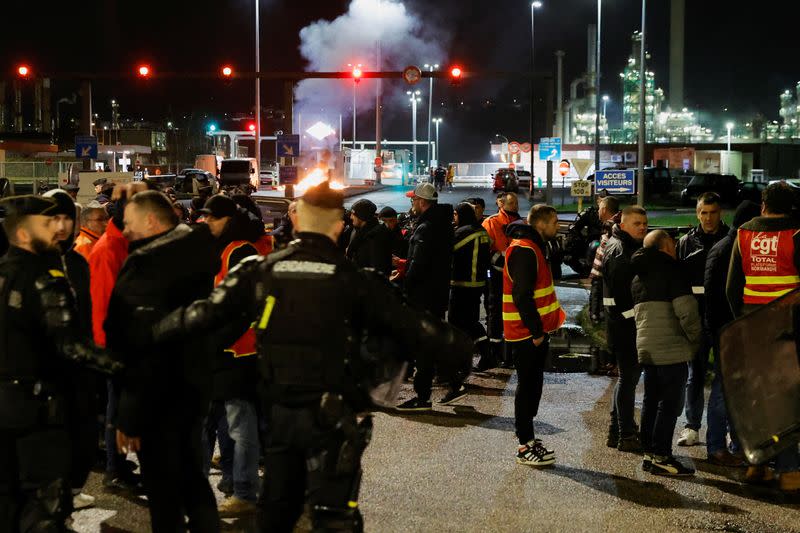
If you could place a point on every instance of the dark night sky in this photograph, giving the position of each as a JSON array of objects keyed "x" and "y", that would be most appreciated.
[{"x": 739, "y": 58}]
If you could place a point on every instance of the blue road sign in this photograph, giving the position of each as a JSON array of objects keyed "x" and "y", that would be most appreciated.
[
  {"x": 86, "y": 146},
  {"x": 288, "y": 145},
  {"x": 288, "y": 175},
  {"x": 615, "y": 181},
  {"x": 550, "y": 149}
]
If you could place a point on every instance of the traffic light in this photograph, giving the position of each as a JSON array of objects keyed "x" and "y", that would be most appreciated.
[
  {"x": 252, "y": 127},
  {"x": 144, "y": 71},
  {"x": 23, "y": 71},
  {"x": 227, "y": 71},
  {"x": 357, "y": 73},
  {"x": 455, "y": 75}
]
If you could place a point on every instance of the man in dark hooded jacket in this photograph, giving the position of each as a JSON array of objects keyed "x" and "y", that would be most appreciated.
[
  {"x": 370, "y": 241},
  {"x": 427, "y": 280},
  {"x": 471, "y": 256},
  {"x": 165, "y": 392},
  {"x": 82, "y": 398},
  {"x": 668, "y": 331},
  {"x": 235, "y": 369},
  {"x": 692, "y": 251},
  {"x": 717, "y": 314}
]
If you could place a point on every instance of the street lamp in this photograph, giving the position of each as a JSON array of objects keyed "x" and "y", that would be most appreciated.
[
  {"x": 438, "y": 152},
  {"x": 430, "y": 107},
  {"x": 534, "y": 6},
  {"x": 257, "y": 131},
  {"x": 605, "y": 102},
  {"x": 414, "y": 97},
  {"x": 597, "y": 93}
]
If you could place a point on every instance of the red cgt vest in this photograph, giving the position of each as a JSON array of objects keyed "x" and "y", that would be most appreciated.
[
  {"x": 246, "y": 345},
  {"x": 768, "y": 264},
  {"x": 544, "y": 295}
]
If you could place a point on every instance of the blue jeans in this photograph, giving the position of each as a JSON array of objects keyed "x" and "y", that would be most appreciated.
[
  {"x": 719, "y": 425},
  {"x": 243, "y": 429},
  {"x": 695, "y": 386}
]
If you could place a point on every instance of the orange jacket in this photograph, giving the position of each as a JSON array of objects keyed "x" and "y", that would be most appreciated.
[
  {"x": 85, "y": 241},
  {"x": 105, "y": 262},
  {"x": 495, "y": 226}
]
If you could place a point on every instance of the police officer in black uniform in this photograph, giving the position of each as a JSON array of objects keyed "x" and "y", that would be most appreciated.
[
  {"x": 39, "y": 338},
  {"x": 312, "y": 309}
]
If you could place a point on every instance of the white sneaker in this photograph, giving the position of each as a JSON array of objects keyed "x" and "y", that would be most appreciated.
[
  {"x": 689, "y": 437},
  {"x": 82, "y": 501}
]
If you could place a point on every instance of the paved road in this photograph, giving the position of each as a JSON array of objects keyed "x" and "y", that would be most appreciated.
[{"x": 454, "y": 471}]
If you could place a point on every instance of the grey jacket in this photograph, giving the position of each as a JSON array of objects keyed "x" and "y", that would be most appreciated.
[{"x": 668, "y": 324}]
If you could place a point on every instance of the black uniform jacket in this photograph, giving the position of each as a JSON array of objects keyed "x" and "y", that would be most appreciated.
[{"x": 161, "y": 274}]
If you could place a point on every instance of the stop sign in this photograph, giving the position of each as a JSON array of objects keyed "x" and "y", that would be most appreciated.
[{"x": 563, "y": 168}]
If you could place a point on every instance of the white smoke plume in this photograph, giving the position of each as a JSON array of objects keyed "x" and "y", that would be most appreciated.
[{"x": 351, "y": 38}]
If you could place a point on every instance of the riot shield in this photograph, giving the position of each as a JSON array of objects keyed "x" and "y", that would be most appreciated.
[{"x": 761, "y": 377}]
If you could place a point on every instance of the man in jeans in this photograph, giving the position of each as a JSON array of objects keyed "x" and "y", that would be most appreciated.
[
  {"x": 668, "y": 331},
  {"x": 753, "y": 281},
  {"x": 693, "y": 249},
  {"x": 626, "y": 238},
  {"x": 235, "y": 369},
  {"x": 717, "y": 314}
]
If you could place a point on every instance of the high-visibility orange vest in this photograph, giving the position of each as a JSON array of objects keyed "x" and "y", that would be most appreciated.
[
  {"x": 264, "y": 244},
  {"x": 768, "y": 264},
  {"x": 544, "y": 295},
  {"x": 246, "y": 345}
]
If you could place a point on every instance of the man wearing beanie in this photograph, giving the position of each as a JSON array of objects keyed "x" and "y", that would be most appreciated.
[
  {"x": 371, "y": 242},
  {"x": 84, "y": 383}
]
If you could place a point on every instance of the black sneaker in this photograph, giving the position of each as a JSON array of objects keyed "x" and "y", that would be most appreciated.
[
  {"x": 612, "y": 439},
  {"x": 669, "y": 466},
  {"x": 534, "y": 454},
  {"x": 454, "y": 395},
  {"x": 414, "y": 405},
  {"x": 630, "y": 444},
  {"x": 548, "y": 453},
  {"x": 647, "y": 463},
  {"x": 129, "y": 484}
]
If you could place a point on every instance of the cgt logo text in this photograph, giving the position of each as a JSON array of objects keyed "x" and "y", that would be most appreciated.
[{"x": 765, "y": 245}]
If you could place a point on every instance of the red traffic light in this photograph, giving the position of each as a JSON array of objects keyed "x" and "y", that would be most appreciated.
[
  {"x": 252, "y": 127},
  {"x": 144, "y": 71},
  {"x": 23, "y": 71},
  {"x": 227, "y": 71},
  {"x": 455, "y": 75},
  {"x": 357, "y": 73}
]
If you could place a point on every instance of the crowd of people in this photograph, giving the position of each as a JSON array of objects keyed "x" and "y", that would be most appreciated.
[{"x": 188, "y": 331}]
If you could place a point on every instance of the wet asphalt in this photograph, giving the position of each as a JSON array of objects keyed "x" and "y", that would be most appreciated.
[{"x": 453, "y": 470}]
